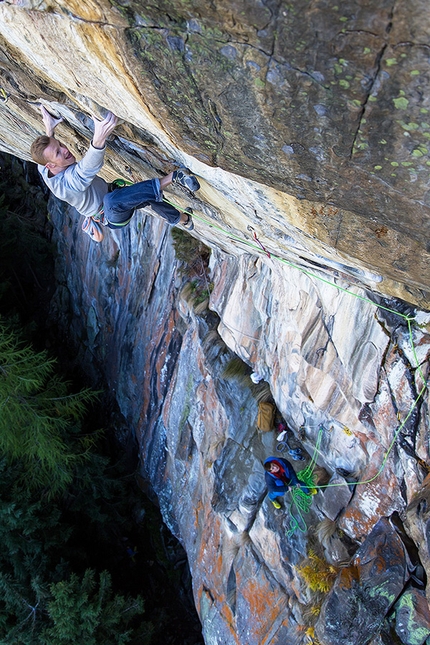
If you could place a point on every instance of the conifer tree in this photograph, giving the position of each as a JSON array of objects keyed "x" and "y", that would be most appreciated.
[
  {"x": 59, "y": 504},
  {"x": 32, "y": 539},
  {"x": 86, "y": 611},
  {"x": 39, "y": 420}
]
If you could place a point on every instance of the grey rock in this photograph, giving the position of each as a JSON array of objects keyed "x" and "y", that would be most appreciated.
[
  {"x": 364, "y": 592},
  {"x": 335, "y": 497},
  {"x": 412, "y": 617}
]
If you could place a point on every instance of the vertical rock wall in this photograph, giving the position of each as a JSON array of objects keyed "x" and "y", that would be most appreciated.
[{"x": 332, "y": 360}]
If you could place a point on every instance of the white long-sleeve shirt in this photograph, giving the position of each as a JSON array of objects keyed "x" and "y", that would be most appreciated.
[{"x": 78, "y": 184}]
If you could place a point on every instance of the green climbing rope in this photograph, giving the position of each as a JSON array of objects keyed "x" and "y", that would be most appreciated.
[
  {"x": 306, "y": 474},
  {"x": 301, "y": 502}
]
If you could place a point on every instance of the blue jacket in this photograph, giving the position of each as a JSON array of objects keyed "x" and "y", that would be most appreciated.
[{"x": 274, "y": 483}]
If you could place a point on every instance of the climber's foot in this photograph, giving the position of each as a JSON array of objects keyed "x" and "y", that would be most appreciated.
[
  {"x": 188, "y": 224},
  {"x": 276, "y": 504},
  {"x": 184, "y": 178}
]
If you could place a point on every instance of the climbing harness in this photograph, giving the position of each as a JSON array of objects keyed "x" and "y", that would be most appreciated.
[
  {"x": 295, "y": 453},
  {"x": 119, "y": 183}
]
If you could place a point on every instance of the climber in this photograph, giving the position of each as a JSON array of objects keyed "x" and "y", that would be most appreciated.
[
  {"x": 280, "y": 476},
  {"x": 78, "y": 184}
]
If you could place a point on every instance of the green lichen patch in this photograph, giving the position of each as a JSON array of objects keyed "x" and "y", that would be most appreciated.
[
  {"x": 410, "y": 127},
  {"x": 401, "y": 103},
  {"x": 420, "y": 151},
  {"x": 259, "y": 83}
]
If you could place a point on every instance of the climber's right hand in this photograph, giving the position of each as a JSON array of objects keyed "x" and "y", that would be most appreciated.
[{"x": 102, "y": 129}]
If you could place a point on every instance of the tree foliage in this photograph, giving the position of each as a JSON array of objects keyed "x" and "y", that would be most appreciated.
[
  {"x": 53, "y": 482},
  {"x": 39, "y": 417},
  {"x": 85, "y": 610}
]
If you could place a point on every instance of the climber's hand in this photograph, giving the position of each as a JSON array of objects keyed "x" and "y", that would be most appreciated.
[
  {"x": 102, "y": 129},
  {"x": 50, "y": 122}
]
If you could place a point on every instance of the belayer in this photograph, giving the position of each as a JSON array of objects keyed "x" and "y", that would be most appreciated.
[
  {"x": 78, "y": 184},
  {"x": 280, "y": 476}
]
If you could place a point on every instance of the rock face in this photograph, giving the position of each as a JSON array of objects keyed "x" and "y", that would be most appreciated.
[
  {"x": 368, "y": 588},
  {"x": 320, "y": 112},
  {"x": 306, "y": 124}
]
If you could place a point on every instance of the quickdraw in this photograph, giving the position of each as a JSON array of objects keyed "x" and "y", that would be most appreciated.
[{"x": 254, "y": 234}]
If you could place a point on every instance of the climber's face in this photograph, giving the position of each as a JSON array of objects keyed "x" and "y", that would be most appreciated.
[
  {"x": 274, "y": 468},
  {"x": 58, "y": 156}
]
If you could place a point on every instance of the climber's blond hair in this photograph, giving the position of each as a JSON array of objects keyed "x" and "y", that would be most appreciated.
[{"x": 38, "y": 148}]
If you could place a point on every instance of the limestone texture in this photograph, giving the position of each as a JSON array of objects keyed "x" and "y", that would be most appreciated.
[{"x": 306, "y": 124}]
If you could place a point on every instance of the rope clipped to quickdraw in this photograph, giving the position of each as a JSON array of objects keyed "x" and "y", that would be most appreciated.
[
  {"x": 262, "y": 247},
  {"x": 301, "y": 501}
]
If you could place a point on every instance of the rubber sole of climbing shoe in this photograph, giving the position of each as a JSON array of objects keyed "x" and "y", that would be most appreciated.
[
  {"x": 189, "y": 224},
  {"x": 186, "y": 181}
]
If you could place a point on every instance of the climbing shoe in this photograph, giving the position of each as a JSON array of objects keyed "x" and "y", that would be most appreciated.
[
  {"x": 189, "y": 224},
  {"x": 276, "y": 504},
  {"x": 186, "y": 180}
]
